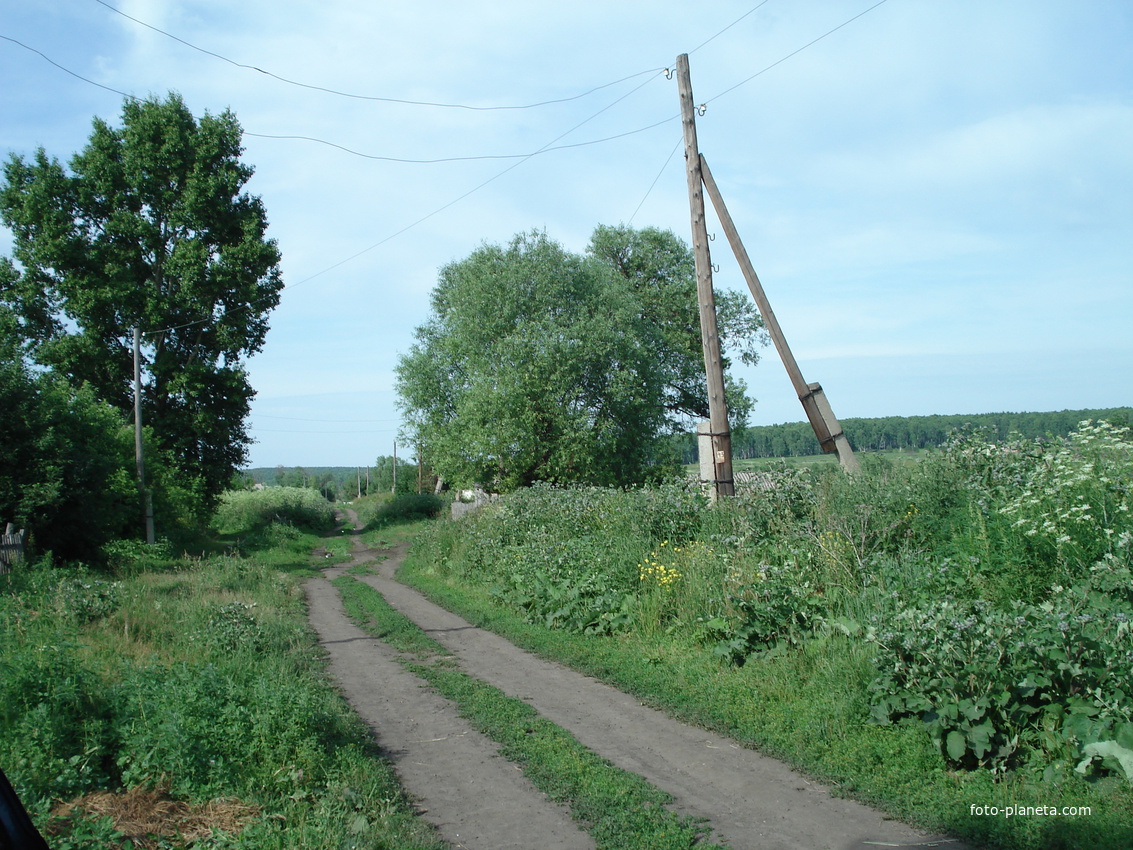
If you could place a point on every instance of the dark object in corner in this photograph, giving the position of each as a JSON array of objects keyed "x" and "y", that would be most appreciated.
[{"x": 17, "y": 832}]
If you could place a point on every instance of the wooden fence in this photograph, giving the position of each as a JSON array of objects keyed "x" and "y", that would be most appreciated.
[{"x": 11, "y": 547}]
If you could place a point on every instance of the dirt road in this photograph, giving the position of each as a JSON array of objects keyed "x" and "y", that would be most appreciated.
[{"x": 479, "y": 800}]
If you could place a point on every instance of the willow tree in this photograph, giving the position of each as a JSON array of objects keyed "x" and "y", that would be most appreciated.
[
  {"x": 149, "y": 227},
  {"x": 660, "y": 271},
  {"x": 540, "y": 364}
]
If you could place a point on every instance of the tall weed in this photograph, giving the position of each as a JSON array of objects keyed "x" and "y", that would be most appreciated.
[{"x": 244, "y": 511}]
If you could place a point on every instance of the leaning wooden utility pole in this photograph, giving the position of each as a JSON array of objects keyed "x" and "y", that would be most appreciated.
[
  {"x": 720, "y": 433},
  {"x": 144, "y": 495},
  {"x": 826, "y": 426}
]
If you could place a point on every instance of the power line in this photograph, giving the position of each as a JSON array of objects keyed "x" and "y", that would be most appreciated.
[
  {"x": 480, "y": 186},
  {"x": 547, "y": 148},
  {"x": 475, "y": 158},
  {"x": 729, "y": 26},
  {"x": 51, "y": 61},
  {"x": 521, "y": 158},
  {"x": 451, "y": 203},
  {"x": 655, "y": 179},
  {"x": 376, "y": 98},
  {"x": 796, "y": 52},
  {"x": 376, "y": 157}
]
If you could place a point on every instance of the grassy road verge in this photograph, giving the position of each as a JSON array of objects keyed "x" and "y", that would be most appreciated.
[{"x": 191, "y": 688}]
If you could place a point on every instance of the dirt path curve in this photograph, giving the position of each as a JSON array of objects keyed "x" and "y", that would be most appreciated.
[{"x": 751, "y": 801}]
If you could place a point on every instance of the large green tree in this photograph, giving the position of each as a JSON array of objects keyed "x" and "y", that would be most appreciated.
[
  {"x": 534, "y": 365},
  {"x": 149, "y": 227},
  {"x": 661, "y": 272},
  {"x": 539, "y": 364}
]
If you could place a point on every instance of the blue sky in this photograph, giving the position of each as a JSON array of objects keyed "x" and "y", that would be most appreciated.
[{"x": 938, "y": 197}]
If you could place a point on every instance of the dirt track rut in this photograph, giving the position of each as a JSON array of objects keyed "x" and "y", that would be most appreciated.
[{"x": 750, "y": 800}]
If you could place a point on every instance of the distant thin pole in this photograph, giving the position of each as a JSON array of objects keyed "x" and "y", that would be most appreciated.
[
  {"x": 394, "y": 489},
  {"x": 420, "y": 468},
  {"x": 144, "y": 495}
]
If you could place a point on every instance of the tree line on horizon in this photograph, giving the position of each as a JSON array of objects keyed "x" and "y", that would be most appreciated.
[
  {"x": 341, "y": 483},
  {"x": 788, "y": 439},
  {"x": 883, "y": 433}
]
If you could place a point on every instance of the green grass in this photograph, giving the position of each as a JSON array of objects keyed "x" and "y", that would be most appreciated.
[
  {"x": 199, "y": 677},
  {"x": 383, "y": 510},
  {"x": 620, "y": 810},
  {"x": 759, "y": 464}
]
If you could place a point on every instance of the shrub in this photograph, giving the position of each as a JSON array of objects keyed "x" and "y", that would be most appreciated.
[
  {"x": 1074, "y": 503},
  {"x": 244, "y": 511},
  {"x": 1024, "y": 515},
  {"x": 55, "y": 713},
  {"x": 65, "y": 469},
  {"x": 404, "y": 507},
  {"x": 995, "y": 687},
  {"x": 222, "y": 728},
  {"x": 568, "y": 557},
  {"x": 775, "y": 606}
]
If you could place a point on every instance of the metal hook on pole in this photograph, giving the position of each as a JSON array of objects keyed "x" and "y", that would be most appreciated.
[
  {"x": 700, "y": 110},
  {"x": 669, "y": 73}
]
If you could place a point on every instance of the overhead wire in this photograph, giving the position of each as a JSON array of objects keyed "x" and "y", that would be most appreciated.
[
  {"x": 649, "y": 191},
  {"x": 474, "y": 158},
  {"x": 441, "y": 209},
  {"x": 547, "y": 148},
  {"x": 377, "y": 98},
  {"x": 360, "y": 154},
  {"x": 550, "y": 146},
  {"x": 480, "y": 186},
  {"x": 728, "y": 27},
  {"x": 795, "y": 52},
  {"x": 77, "y": 76}
]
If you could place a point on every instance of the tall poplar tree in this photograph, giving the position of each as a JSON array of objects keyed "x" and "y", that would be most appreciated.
[{"x": 150, "y": 227}]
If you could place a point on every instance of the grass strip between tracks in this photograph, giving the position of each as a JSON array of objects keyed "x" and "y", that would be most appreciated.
[{"x": 618, "y": 808}]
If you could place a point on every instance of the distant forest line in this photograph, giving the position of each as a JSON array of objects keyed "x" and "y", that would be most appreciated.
[
  {"x": 341, "y": 482},
  {"x": 796, "y": 439},
  {"x": 790, "y": 439}
]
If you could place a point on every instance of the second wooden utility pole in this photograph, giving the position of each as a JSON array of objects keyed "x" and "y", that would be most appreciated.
[{"x": 717, "y": 406}]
